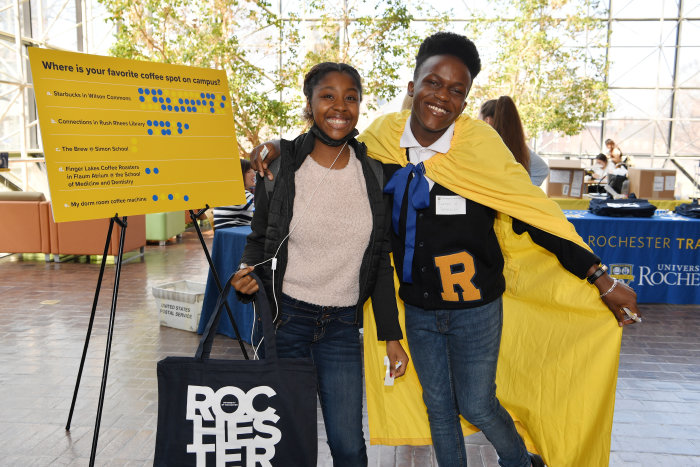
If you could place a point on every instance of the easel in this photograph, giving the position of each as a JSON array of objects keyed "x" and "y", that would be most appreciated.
[{"x": 118, "y": 261}]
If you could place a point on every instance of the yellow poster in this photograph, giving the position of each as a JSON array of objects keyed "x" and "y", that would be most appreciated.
[{"x": 125, "y": 137}]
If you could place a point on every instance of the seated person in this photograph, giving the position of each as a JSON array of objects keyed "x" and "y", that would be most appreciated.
[
  {"x": 598, "y": 174},
  {"x": 242, "y": 214}
]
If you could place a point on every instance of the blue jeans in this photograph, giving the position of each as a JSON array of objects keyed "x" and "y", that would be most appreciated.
[
  {"x": 330, "y": 336},
  {"x": 455, "y": 353}
]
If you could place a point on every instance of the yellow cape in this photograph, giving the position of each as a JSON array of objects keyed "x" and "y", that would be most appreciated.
[{"x": 557, "y": 367}]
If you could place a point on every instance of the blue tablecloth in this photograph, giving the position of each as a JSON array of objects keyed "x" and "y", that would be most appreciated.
[
  {"x": 226, "y": 254},
  {"x": 658, "y": 256}
]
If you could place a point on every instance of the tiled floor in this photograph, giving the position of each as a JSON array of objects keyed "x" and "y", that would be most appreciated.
[{"x": 44, "y": 310}]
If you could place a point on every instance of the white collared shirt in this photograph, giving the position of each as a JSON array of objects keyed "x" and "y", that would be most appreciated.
[{"x": 418, "y": 153}]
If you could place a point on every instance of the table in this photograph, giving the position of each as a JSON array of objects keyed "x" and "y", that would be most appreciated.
[
  {"x": 226, "y": 254},
  {"x": 658, "y": 256},
  {"x": 582, "y": 203}
]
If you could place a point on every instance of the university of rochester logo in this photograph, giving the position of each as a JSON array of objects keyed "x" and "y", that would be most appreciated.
[
  {"x": 623, "y": 272},
  {"x": 243, "y": 433}
]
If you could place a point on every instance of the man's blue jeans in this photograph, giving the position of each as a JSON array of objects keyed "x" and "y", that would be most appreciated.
[
  {"x": 330, "y": 336},
  {"x": 455, "y": 353}
]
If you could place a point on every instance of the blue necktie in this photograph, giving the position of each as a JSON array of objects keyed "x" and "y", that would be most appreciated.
[{"x": 418, "y": 198}]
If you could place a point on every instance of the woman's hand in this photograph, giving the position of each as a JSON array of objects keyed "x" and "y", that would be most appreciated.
[
  {"x": 243, "y": 283},
  {"x": 621, "y": 296},
  {"x": 271, "y": 149},
  {"x": 396, "y": 354}
]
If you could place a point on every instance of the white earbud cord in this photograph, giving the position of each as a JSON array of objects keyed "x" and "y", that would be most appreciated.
[{"x": 274, "y": 257}]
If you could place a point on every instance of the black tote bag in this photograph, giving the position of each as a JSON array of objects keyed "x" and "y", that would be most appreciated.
[{"x": 236, "y": 412}]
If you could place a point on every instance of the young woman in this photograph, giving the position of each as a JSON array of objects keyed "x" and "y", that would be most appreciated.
[
  {"x": 242, "y": 214},
  {"x": 503, "y": 116},
  {"x": 326, "y": 225}
]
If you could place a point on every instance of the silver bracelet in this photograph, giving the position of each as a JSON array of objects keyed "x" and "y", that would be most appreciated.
[{"x": 615, "y": 281}]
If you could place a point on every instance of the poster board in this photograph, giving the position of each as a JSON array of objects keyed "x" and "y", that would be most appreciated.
[{"x": 126, "y": 137}]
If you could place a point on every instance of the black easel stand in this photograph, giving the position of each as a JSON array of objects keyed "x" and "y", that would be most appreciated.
[
  {"x": 195, "y": 217},
  {"x": 118, "y": 260}
]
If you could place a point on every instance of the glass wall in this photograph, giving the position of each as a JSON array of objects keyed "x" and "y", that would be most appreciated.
[{"x": 652, "y": 49}]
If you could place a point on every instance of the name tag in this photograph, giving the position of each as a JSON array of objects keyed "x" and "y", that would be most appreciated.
[{"x": 450, "y": 205}]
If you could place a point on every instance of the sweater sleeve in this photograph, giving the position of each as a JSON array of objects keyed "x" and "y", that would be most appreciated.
[{"x": 574, "y": 258}]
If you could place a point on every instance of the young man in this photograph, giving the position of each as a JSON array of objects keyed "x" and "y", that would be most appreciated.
[{"x": 447, "y": 254}]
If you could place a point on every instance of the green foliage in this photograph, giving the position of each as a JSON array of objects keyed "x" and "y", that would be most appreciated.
[
  {"x": 546, "y": 61},
  {"x": 261, "y": 50},
  {"x": 266, "y": 55}
]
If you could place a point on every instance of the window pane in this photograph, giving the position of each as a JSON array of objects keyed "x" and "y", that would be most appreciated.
[
  {"x": 644, "y": 8},
  {"x": 639, "y": 67},
  {"x": 640, "y": 103},
  {"x": 639, "y": 33},
  {"x": 633, "y": 137}
]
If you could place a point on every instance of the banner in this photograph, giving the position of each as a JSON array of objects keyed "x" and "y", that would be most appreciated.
[
  {"x": 659, "y": 256},
  {"x": 130, "y": 137}
]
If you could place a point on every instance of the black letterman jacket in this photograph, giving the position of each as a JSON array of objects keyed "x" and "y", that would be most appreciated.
[
  {"x": 271, "y": 224},
  {"x": 469, "y": 237}
]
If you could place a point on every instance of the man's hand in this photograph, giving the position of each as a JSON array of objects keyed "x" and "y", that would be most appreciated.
[
  {"x": 396, "y": 354},
  {"x": 618, "y": 295}
]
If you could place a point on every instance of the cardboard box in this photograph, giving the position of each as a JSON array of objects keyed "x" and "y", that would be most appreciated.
[
  {"x": 652, "y": 183},
  {"x": 565, "y": 179},
  {"x": 180, "y": 304}
]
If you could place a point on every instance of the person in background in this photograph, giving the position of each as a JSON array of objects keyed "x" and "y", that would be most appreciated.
[
  {"x": 328, "y": 262},
  {"x": 503, "y": 116},
  {"x": 614, "y": 151},
  {"x": 242, "y": 214},
  {"x": 598, "y": 174}
]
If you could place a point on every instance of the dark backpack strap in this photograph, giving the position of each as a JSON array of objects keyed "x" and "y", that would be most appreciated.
[{"x": 274, "y": 167}]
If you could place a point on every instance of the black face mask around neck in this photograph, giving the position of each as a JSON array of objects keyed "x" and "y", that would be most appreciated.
[{"x": 327, "y": 140}]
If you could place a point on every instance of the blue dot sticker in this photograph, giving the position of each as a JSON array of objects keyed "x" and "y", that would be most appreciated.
[
  {"x": 179, "y": 130},
  {"x": 162, "y": 132},
  {"x": 186, "y": 198},
  {"x": 199, "y": 102},
  {"x": 160, "y": 92},
  {"x": 222, "y": 105},
  {"x": 187, "y": 126},
  {"x": 167, "y": 99},
  {"x": 167, "y": 124},
  {"x": 201, "y": 95},
  {"x": 161, "y": 100},
  {"x": 182, "y": 108},
  {"x": 149, "y": 123},
  {"x": 140, "y": 90},
  {"x": 187, "y": 101},
  {"x": 155, "y": 170},
  {"x": 155, "y": 197},
  {"x": 168, "y": 132},
  {"x": 177, "y": 109},
  {"x": 223, "y": 98},
  {"x": 150, "y": 132},
  {"x": 153, "y": 91},
  {"x": 163, "y": 106},
  {"x": 211, "y": 109},
  {"x": 170, "y": 107},
  {"x": 148, "y": 171},
  {"x": 179, "y": 124},
  {"x": 146, "y": 91},
  {"x": 194, "y": 109},
  {"x": 211, "y": 103},
  {"x": 142, "y": 99},
  {"x": 155, "y": 99},
  {"x": 161, "y": 123},
  {"x": 170, "y": 197}
]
